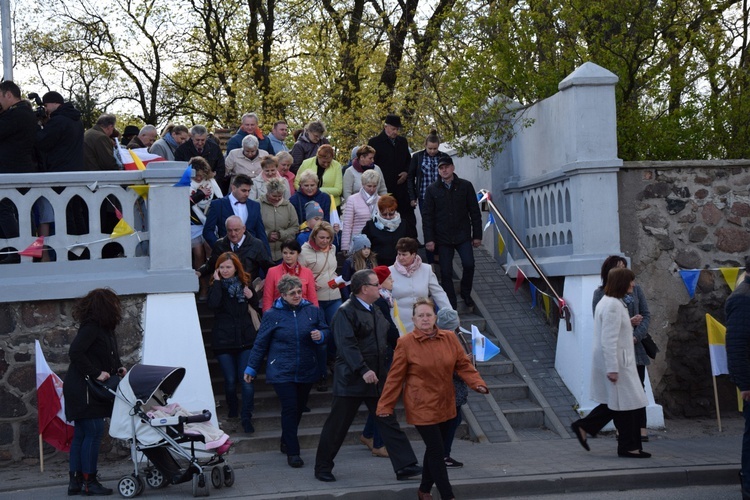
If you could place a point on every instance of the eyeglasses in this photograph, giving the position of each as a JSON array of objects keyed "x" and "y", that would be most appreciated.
[
  {"x": 294, "y": 292},
  {"x": 371, "y": 284}
]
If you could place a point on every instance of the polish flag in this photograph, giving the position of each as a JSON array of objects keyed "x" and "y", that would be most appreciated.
[
  {"x": 137, "y": 159},
  {"x": 51, "y": 405}
]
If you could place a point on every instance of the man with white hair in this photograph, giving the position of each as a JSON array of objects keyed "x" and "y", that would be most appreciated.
[
  {"x": 245, "y": 160},
  {"x": 145, "y": 138},
  {"x": 249, "y": 126}
]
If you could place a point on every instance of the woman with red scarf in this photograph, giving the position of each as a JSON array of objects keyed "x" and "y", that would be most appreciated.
[{"x": 290, "y": 251}]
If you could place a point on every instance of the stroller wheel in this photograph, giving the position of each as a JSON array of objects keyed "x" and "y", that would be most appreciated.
[
  {"x": 200, "y": 485},
  {"x": 129, "y": 486},
  {"x": 228, "y": 476},
  {"x": 217, "y": 479},
  {"x": 155, "y": 479},
  {"x": 141, "y": 485}
]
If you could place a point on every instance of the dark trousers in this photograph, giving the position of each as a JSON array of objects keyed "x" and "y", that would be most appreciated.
[
  {"x": 626, "y": 422},
  {"x": 745, "y": 469},
  {"x": 343, "y": 411},
  {"x": 642, "y": 375},
  {"x": 293, "y": 398},
  {"x": 466, "y": 253},
  {"x": 451, "y": 433},
  {"x": 433, "y": 466}
]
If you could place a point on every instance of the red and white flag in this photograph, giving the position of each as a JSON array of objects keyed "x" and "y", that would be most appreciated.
[
  {"x": 137, "y": 159},
  {"x": 51, "y": 405}
]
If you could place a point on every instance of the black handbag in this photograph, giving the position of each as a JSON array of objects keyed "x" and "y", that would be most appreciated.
[
  {"x": 103, "y": 392},
  {"x": 649, "y": 346}
]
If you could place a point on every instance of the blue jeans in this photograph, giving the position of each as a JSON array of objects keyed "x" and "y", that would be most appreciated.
[
  {"x": 466, "y": 253},
  {"x": 451, "y": 432},
  {"x": 233, "y": 367},
  {"x": 84, "y": 450},
  {"x": 328, "y": 350},
  {"x": 293, "y": 398},
  {"x": 370, "y": 430}
]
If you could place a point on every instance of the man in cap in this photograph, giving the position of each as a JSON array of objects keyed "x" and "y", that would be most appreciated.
[
  {"x": 451, "y": 221},
  {"x": 392, "y": 155}
]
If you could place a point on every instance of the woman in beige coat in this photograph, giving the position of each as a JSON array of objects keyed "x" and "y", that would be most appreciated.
[
  {"x": 614, "y": 378},
  {"x": 279, "y": 216}
]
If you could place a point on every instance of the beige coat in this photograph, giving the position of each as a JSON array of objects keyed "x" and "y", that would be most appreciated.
[
  {"x": 282, "y": 219},
  {"x": 614, "y": 352},
  {"x": 323, "y": 267}
]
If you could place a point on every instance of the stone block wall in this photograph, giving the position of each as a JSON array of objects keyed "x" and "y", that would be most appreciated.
[
  {"x": 50, "y": 322},
  {"x": 685, "y": 215}
]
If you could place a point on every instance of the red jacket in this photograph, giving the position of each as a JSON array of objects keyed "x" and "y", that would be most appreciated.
[{"x": 270, "y": 293}]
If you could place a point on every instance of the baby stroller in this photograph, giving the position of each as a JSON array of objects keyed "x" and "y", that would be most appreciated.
[{"x": 141, "y": 416}]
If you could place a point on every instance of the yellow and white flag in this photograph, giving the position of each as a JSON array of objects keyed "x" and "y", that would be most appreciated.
[{"x": 717, "y": 334}]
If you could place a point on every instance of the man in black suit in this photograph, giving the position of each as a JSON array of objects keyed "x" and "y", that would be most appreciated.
[
  {"x": 236, "y": 203},
  {"x": 360, "y": 332},
  {"x": 392, "y": 155},
  {"x": 251, "y": 251},
  {"x": 199, "y": 145}
]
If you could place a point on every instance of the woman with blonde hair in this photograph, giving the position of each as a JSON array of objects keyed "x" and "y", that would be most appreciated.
[
  {"x": 360, "y": 207},
  {"x": 328, "y": 170}
]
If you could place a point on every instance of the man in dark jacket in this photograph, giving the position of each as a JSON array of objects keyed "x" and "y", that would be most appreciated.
[
  {"x": 393, "y": 157},
  {"x": 60, "y": 140},
  {"x": 451, "y": 221},
  {"x": 737, "y": 311},
  {"x": 98, "y": 147},
  {"x": 360, "y": 333},
  {"x": 199, "y": 145},
  {"x": 17, "y": 130},
  {"x": 251, "y": 251},
  {"x": 249, "y": 125}
]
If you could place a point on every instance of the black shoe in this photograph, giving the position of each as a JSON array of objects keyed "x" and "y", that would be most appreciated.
[
  {"x": 644, "y": 439},
  {"x": 76, "y": 483},
  {"x": 576, "y": 428},
  {"x": 326, "y": 477},
  {"x": 295, "y": 461},
  {"x": 247, "y": 426},
  {"x": 322, "y": 386},
  {"x": 452, "y": 464},
  {"x": 92, "y": 486},
  {"x": 468, "y": 301},
  {"x": 408, "y": 472},
  {"x": 282, "y": 447},
  {"x": 627, "y": 454}
]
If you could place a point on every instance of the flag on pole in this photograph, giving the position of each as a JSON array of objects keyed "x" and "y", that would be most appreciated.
[
  {"x": 136, "y": 159},
  {"x": 186, "y": 176},
  {"x": 717, "y": 348},
  {"x": 51, "y": 405},
  {"x": 484, "y": 350},
  {"x": 35, "y": 249},
  {"x": 334, "y": 215}
]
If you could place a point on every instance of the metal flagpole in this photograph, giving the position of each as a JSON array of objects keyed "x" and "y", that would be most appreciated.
[{"x": 5, "y": 25}]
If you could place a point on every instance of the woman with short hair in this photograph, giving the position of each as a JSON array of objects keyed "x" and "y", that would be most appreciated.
[
  {"x": 309, "y": 191},
  {"x": 278, "y": 215},
  {"x": 363, "y": 161},
  {"x": 360, "y": 207},
  {"x": 245, "y": 160},
  {"x": 385, "y": 229}
]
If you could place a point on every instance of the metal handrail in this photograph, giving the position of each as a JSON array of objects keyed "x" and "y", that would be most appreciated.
[{"x": 563, "y": 308}]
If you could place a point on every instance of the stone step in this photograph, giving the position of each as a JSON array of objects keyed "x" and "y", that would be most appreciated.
[
  {"x": 507, "y": 387},
  {"x": 496, "y": 366},
  {"x": 522, "y": 413}
]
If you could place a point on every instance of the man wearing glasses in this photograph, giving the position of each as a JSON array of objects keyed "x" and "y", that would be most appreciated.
[{"x": 360, "y": 331}]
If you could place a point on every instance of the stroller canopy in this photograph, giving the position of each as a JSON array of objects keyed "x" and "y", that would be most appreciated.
[{"x": 145, "y": 380}]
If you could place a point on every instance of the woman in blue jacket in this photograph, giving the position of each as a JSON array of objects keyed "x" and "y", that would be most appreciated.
[{"x": 288, "y": 336}]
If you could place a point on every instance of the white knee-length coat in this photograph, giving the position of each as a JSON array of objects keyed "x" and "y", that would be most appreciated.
[{"x": 614, "y": 352}]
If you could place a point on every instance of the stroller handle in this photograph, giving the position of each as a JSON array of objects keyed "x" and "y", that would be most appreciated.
[{"x": 194, "y": 419}]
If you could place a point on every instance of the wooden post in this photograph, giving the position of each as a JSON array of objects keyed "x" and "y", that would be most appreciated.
[
  {"x": 41, "y": 454},
  {"x": 716, "y": 401}
]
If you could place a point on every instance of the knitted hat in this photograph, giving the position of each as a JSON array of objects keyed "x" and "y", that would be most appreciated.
[
  {"x": 359, "y": 242},
  {"x": 383, "y": 272},
  {"x": 53, "y": 97},
  {"x": 447, "y": 319},
  {"x": 312, "y": 209}
]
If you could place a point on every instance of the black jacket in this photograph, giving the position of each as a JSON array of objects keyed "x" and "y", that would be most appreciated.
[
  {"x": 415, "y": 173},
  {"x": 211, "y": 153},
  {"x": 361, "y": 339},
  {"x": 61, "y": 140},
  {"x": 252, "y": 253},
  {"x": 451, "y": 216},
  {"x": 233, "y": 328},
  {"x": 94, "y": 350},
  {"x": 737, "y": 311},
  {"x": 384, "y": 242},
  {"x": 392, "y": 160},
  {"x": 18, "y": 126}
]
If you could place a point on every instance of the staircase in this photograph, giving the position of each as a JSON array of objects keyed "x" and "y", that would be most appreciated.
[{"x": 521, "y": 386}]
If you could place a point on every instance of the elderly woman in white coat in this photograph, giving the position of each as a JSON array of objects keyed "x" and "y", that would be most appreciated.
[
  {"x": 412, "y": 279},
  {"x": 614, "y": 378}
]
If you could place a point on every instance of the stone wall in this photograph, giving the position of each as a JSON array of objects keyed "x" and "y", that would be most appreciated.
[
  {"x": 685, "y": 215},
  {"x": 51, "y": 323}
]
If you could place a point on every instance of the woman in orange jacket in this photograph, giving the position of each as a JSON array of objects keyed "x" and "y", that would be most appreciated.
[{"x": 423, "y": 364}]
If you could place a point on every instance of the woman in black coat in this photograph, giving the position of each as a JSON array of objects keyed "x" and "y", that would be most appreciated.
[
  {"x": 93, "y": 354},
  {"x": 385, "y": 229},
  {"x": 233, "y": 332}
]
